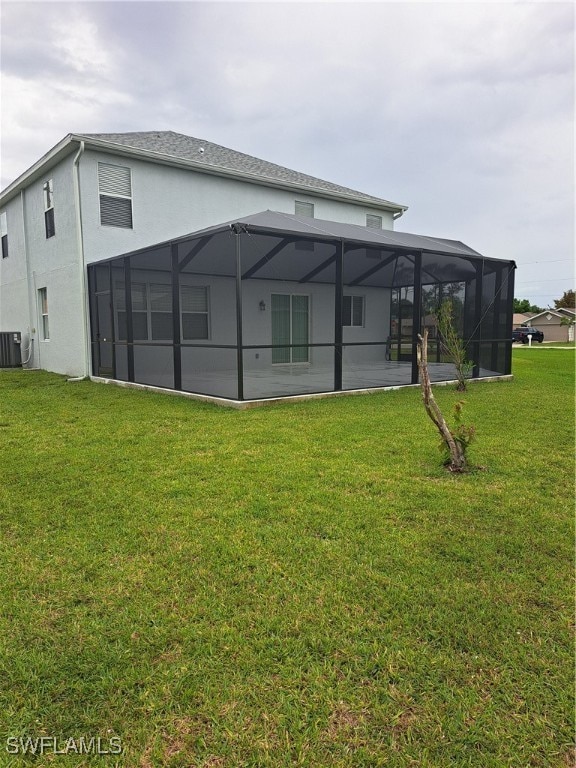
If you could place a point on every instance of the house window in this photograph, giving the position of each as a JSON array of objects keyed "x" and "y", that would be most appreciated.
[
  {"x": 43, "y": 309},
  {"x": 152, "y": 317},
  {"x": 49, "y": 209},
  {"x": 4, "y": 234},
  {"x": 304, "y": 209},
  {"x": 373, "y": 221},
  {"x": 115, "y": 190},
  {"x": 353, "y": 311},
  {"x": 139, "y": 312},
  {"x": 194, "y": 308},
  {"x": 161, "y": 327}
]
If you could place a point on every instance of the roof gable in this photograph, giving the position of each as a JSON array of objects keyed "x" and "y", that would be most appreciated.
[
  {"x": 214, "y": 157},
  {"x": 560, "y": 312}
]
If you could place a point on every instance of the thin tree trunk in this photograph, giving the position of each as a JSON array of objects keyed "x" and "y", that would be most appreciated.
[{"x": 457, "y": 458}]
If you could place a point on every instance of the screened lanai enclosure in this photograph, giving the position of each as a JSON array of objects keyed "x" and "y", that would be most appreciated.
[{"x": 275, "y": 305}]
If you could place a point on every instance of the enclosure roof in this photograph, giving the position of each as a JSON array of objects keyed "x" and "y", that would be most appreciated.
[{"x": 286, "y": 223}]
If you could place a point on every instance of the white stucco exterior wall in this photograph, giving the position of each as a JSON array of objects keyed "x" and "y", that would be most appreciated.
[
  {"x": 14, "y": 295},
  {"x": 167, "y": 202},
  {"x": 36, "y": 262}
]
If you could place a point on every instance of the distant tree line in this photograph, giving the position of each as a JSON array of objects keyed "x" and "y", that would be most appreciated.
[
  {"x": 566, "y": 302},
  {"x": 523, "y": 306}
]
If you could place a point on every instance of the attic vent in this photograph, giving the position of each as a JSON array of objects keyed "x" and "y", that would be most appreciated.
[
  {"x": 304, "y": 245},
  {"x": 373, "y": 221},
  {"x": 304, "y": 209},
  {"x": 115, "y": 188}
]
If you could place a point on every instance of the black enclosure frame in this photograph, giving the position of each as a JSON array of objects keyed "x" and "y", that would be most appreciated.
[{"x": 253, "y": 309}]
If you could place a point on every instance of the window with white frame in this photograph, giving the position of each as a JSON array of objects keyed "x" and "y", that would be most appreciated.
[
  {"x": 194, "y": 305},
  {"x": 115, "y": 192},
  {"x": 140, "y": 319},
  {"x": 4, "y": 234},
  {"x": 353, "y": 311},
  {"x": 152, "y": 318},
  {"x": 43, "y": 310},
  {"x": 373, "y": 221},
  {"x": 304, "y": 209},
  {"x": 139, "y": 298},
  {"x": 49, "y": 208},
  {"x": 161, "y": 325}
]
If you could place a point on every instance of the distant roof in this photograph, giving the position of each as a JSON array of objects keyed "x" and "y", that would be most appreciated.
[
  {"x": 215, "y": 156},
  {"x": 557, "y": 312},
  {"x": 520, "y": 317}
]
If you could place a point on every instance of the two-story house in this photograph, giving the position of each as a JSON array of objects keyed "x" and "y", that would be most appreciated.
[{"x": 161, "y": 259}]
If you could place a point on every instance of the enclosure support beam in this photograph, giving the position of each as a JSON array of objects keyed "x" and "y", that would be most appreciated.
[
  {"x": 477, "y": 333},
  {"x": 496, "y": 309},
  {"x": 113, "y": 324},
  {"x": 176, "y": 347},
  {"x": 129, "y": 327},
  {"x": 192, "y": 253},
  {"x": 339, "y": 293},
  {"x": 239, "y": 351},
  {"x": 509, "y": 317},
  {"x": 416, "y": 314},
  {"x": 373, "y": 270},
  {"x": 317, "y": 270},
  {"x": 265, "y": 259}
]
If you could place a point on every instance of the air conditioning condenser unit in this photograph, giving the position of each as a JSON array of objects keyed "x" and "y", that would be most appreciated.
[{"x": 10, "y": 343}]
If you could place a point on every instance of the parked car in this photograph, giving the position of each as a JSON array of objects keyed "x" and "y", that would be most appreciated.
[{"x": 521, "y": 335}]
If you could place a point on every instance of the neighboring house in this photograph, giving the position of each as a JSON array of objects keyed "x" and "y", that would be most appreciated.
[
  {"x": 520, "y": 319},
  {"x": 550, "y": 322},
  {"x": 116, "y": 263}
]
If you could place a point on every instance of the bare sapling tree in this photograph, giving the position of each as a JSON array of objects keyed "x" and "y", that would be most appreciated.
[
  {"x": 454, "y": 443},
  {"x": 452, "y": 344}
]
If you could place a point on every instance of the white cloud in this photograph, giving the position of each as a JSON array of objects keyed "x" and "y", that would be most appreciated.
[
  {"x": 464, "y": 111},
  {"x": 78, "y": 42}
]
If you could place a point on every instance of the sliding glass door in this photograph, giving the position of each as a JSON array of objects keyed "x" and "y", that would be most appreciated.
[{"x": 290, "y": 328}]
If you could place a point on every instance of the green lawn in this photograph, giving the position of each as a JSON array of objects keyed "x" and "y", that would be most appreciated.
[{"x": 294, "y": 585}]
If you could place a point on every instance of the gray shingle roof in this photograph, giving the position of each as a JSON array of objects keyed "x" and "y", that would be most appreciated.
[
  {"x": 181, "y": 147},
  {"x": 289, "y": 223}
]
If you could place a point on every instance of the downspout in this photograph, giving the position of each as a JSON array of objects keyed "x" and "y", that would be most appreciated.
[
  {"x": 31, "y": 289},
  {"x": 82, "y": 261}
]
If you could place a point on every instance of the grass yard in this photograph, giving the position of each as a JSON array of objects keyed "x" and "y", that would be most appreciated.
[{"x": 295, "y": 585}]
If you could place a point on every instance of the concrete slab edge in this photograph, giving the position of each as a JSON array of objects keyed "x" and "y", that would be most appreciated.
[{"x": 245, "y": 404}]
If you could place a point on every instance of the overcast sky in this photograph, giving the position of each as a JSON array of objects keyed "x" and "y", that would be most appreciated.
[{"x": 462, "y": 111}]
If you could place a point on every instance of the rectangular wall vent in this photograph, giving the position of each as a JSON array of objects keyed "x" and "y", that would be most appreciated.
[{"x": 304, "y": 209}]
